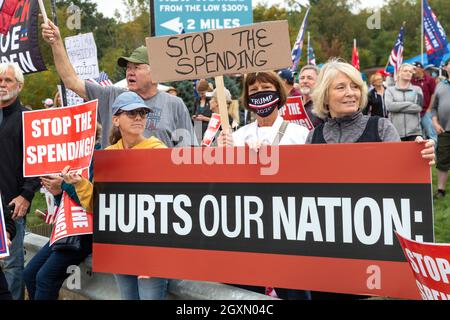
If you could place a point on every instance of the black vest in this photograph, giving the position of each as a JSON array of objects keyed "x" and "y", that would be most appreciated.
[{"x": 370, "y": 133}]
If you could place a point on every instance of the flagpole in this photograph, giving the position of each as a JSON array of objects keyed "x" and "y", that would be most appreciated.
[
  {"x": 307, "y": 50},
  {"x": 422, "y": 38}
]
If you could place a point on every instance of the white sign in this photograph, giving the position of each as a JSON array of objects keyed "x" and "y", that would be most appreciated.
[
  {"x": 72, "y": 99},
  {"x": 82, "y": 52}
]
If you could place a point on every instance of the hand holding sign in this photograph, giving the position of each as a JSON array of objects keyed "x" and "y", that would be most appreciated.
[{"x": 73, "y": 177}]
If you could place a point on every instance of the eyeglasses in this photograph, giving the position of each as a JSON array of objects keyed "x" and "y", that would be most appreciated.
[{"x": 133, "y": 113}]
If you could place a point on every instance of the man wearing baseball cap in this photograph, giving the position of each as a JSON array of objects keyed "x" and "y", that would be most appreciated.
[
  {"x": 428, "y": 86},
  {"x": 441, "y": 120},
  {"x": 288, "y": 79},
  {"x": 169, "y": 120}
]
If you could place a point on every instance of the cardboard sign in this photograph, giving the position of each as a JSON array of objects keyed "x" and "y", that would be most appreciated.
[
  {"x": 294, "y": 111},
  {"x": 430, "y": 264},
  {"x": 82, "y": 52},
  {"x": 269, "y": 219},
  {"x": 213, "y": 127},
  {"x": 71, "y": 220},
  {"x": 21, "y": 44},
  {"x": 258, "y": 47},
  {"x": 4, "y": 250},
  {"x": 56, "y": 138}
]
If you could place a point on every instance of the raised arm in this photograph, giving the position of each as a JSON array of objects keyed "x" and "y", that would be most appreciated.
[{"x": 52, "y": 36}]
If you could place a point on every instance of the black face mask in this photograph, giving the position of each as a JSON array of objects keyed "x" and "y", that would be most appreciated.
[{"x": 264, "y": 103}]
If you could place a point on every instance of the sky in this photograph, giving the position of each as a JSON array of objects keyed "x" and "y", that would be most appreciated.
[{"x": 108, "y": 6}]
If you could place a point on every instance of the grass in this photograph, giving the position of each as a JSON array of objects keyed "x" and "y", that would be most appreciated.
[{"x": 441, "y": 213}]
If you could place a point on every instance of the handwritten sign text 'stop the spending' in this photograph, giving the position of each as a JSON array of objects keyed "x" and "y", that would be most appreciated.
[{"x": 258, "y": 47}]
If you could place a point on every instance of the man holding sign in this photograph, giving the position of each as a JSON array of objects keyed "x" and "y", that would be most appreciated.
[
  {"x": 17, "y": 191},
  {"x": 169, "y": 119}
]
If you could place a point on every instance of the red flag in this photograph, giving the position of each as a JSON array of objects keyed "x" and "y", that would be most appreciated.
[
  {"x": 7, "y": 9},
  {"x": 355, "y": 57}
]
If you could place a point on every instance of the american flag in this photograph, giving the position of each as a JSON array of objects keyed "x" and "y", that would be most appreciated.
[
  {"x": 396, "y": 58},
  {"x": 297, "y": 50},
  {"x": 103, "y": 80}
]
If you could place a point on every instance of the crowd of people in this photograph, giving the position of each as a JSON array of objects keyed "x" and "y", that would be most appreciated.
[{"x": 338, "y": 102}]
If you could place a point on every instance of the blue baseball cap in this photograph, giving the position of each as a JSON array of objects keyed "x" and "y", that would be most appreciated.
[
  {"x": 128, "y": 101},
  {"x": 287, "y": 75}
]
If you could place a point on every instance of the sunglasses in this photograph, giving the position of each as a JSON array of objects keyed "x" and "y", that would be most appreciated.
[{"x": 133, "y": 113}]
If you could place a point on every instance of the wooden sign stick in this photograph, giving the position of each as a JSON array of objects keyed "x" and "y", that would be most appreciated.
[
  {"x": 222, "y": 100},
  {"x": 44, "y": 13}
]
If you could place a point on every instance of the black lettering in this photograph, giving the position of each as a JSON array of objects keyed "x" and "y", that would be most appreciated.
[
  {"x": 208, "y": 40},
  {"x": 260, "y": 62},
  {"x": 228, "y": 55},
  {"x": 187, "y": 65},
  {"x": 172, "y": 46},
  {"x": 250, "y": 60},
  {"x": 198, "y": 62},
  {"x": 194, "y": 41},
  {"x": 240, "y": 36},
  {"x": 261, "y": 38},
  {"x": 241, "y": 59},
  {"x": 185, "y": 40},
  {"x": 222, "y": 62},
  {"x": 214, "y": 57}
]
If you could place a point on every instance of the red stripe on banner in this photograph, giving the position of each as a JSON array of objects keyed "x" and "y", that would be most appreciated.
[
  {"x": 299, "y": 272},
  {"x": 337, "y": 163}
]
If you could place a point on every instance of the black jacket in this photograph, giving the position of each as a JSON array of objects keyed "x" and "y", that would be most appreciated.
[
  {"x": 375, "y": 105},
  {"x": 12, "y": 182}
]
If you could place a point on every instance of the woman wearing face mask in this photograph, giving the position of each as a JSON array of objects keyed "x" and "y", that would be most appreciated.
[{"x": 264, "y": 94}]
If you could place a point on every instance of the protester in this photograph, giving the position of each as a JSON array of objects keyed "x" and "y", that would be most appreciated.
[
  {"x": 48, "y": 103},
  {"x": 202, "y": 112},
  {"x": 47, "y": 270},
  {"x": 376, "y": 100},
  {"x": 169, "y": 119},
  {"x": 129, "y": 116},
  {"x": 307, "y": 81},
  {"x": 17, "y": 191},
  {"x": 45, "y": 273},
  {"x": 404, "y": 102},
  {"x": 428, "y": 86},
  {"x": 288, "y": 81},
  {"x": 10, "y": 233},
  {"x": 339, "y": 97},
  {"x": 264, "y": 94},
  {"x": 441, "y": 121}
]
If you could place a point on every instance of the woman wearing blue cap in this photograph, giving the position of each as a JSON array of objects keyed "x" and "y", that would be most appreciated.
[{"x": 129, "y": 119}]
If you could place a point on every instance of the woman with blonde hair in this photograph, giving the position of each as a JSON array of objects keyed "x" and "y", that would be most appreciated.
[
  {"x": 339, "y": 97},
  {"x": 404, "y": 102}
]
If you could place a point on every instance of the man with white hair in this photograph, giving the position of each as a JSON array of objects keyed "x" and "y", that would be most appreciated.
[
  {"x": 17, "y": 192},
  {"x": 307, "y": 81}
]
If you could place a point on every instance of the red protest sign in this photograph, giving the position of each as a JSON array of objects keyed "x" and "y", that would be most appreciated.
[
  {"x": 430, "y": 263},
  {"x": 221, "y": 215},
  {"x": 71, "y": 220},
  {"x": 213, "y": 127},
  {"x": 56, "y": 138},
  {"x": 293, "y": 111}
]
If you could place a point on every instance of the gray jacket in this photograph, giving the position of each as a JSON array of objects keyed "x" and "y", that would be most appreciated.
[
  {"x": 350, "y": 128},
  {"x": 404, "y": 106}
]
